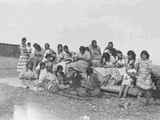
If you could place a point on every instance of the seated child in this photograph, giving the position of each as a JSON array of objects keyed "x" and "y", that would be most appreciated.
[
  {"x": 61, "y": 77},
  {"x": 48, "y": 80},
  {"x": 28, "y": 75},
  {"x": 128, "y": 80},
  {"x": 91, "y": 85}
]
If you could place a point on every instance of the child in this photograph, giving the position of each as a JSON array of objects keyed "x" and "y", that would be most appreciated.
[
  {"x": 48, "y": 79},
  {"x": 29, "y": 49},
  {"x": 92, "y": 83},
  {"x": 128, "y": 80},
  {"x": 120, "y": 63},
  {"x": 40, "y": 69},
  {"x": 28, "y": 75},
  {"x": 61, "y": 77},
  {"x": 144, "y": 81}
]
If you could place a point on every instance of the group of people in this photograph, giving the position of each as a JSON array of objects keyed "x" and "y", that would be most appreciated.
[{"x": 84, "y": 72}]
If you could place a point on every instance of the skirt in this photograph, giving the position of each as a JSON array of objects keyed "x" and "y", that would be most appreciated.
[{"x": 22, "y": 63}]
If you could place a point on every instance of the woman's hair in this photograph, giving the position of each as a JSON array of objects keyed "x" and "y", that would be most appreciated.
[
  {"x": 131, "y": 53},
  {"x": 59, "y": 67},
  {"x": 24, "y": 39},
  {"x": 28, "y": 43},
  {"x": 106, "y": 56},
  {"x": 82, "y": 48},
  {"x": 65, "y": 47},
  {"x": 87, "y": 49},
  {"x": 37, "y": 46},
  {"x": 146, "y": 53},
  {"x": 93, "y": 41},
  {"x": 60, "y": 45}
]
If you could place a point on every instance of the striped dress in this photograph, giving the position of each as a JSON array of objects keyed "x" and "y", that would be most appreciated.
[{"x": 23, "y": 59}]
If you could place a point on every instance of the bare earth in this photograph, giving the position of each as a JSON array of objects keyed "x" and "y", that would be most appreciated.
[{"x": 17, "y": 103}]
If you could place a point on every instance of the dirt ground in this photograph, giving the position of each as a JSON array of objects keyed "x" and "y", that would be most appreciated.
[{"x": 17, "y": 103}]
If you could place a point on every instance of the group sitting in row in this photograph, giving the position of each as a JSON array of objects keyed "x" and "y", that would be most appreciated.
[{"x": 85, "y": 72}]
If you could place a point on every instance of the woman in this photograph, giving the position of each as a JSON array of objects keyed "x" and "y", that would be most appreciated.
[
  {"x": 107, "y": 72},
  {"x": 67, "y": 53},
  {"x": 47, "y": 50},
  {"x": 37, "y": 55},
  {"x": 60, "y": 53},
  {"x": 111, "y": 50},
  {"x": 24, "y": 57},
  {"x": 144, "y": 81},
  {"x": 95, "y": 53},
  {"x": 83, "y": 60}
]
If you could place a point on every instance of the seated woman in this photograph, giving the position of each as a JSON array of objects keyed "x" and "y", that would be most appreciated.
[
  {"x": 48, "y": 80},
  {"x": 95, "y": 53},
  {"x": 108, "y": 73},
  {"x": 91, "y": 85},
  {"x": 111, "y": 51},
  {"x": 83, "y": 60},
  {"x": 48, "y": 50},
  {"x": 28, "y": 76}
]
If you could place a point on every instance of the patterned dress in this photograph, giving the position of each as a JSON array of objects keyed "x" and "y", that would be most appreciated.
[
  {"x": 144, "y": 80},
  {"x": 23, "y": 59}
]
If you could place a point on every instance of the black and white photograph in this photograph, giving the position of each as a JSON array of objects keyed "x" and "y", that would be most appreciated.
[{"x": 79, "y": 60}]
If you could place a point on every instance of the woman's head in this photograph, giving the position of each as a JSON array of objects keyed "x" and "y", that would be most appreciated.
[
  {"x": 82, "y": 49},
  {"x": 66, "y": 49},
  {"x": 50, "y": 57},
  {"x": 29, "y": 65},
  {"x": 28, "y": 44},
  {"x": 94, "y": 43},
  {"x": 60, "y": 47},
  {"x": 47, "y": 46},
  {"x": 119, "y": 54},
  {"x": 110, "y": 45},
  {"x": 105, "y": 58},
  {"x": 60, "y": 68},
  {"x": 89, "y": 71},
  {"x": 24, "y": 40},
  {"x": 131, "y": 55},
  {"x": 144, "y": 55},
  {"x": 37, "y": 46}
]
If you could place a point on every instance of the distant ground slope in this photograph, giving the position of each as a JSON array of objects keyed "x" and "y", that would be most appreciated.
[
  {"x": 9, "y": 50},
  {"x": 8, "y": 67}
]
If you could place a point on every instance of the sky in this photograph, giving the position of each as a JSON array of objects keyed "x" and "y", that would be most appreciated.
[{"x": 130, "y": 24}]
